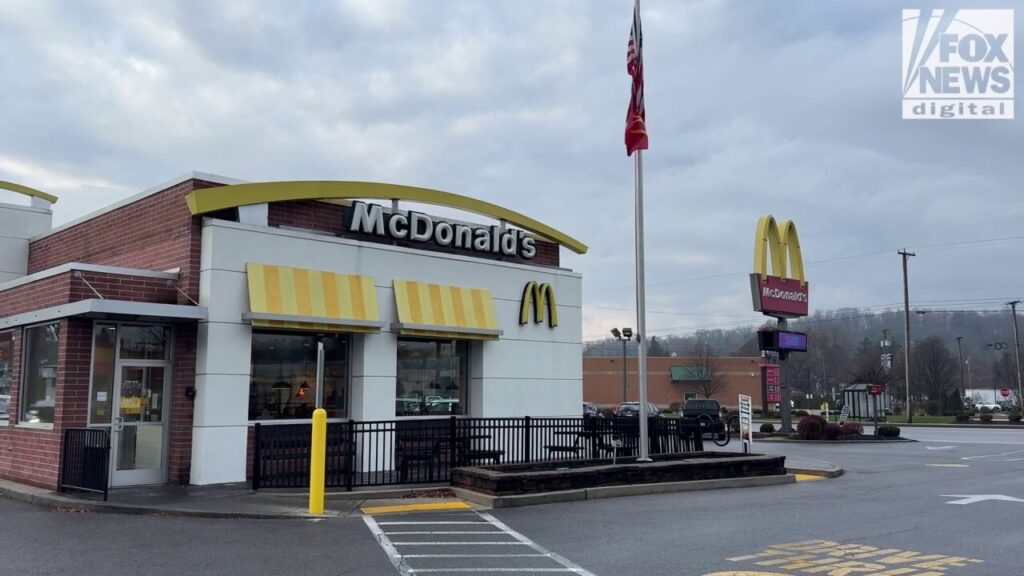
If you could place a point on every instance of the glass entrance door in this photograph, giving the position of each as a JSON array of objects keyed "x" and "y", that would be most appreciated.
[{"x": 139, "y": 424}]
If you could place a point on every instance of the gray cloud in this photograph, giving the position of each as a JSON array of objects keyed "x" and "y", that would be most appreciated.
[{"x": 788, "y": 107}]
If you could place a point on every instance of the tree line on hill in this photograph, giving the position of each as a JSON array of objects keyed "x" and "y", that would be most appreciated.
[{"x": 847, "y": 346}]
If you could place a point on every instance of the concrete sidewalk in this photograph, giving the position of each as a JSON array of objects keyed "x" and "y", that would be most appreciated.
[{"x": 239, "y": 501}]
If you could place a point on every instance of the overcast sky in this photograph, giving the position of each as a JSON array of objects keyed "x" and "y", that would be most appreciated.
[{"x": 784, "y": 107}]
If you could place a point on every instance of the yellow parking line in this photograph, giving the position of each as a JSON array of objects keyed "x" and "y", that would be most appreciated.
[
  {"x": 456, "y": 505},
  {"x": 808, "y": 477}
]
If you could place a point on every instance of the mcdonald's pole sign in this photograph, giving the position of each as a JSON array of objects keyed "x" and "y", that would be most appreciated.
[
  {"x": 784, "y": 292},
  {"x": 537, "y": 297}
]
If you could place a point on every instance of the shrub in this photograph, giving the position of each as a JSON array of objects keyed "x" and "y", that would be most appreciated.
[
  {"x": 832, "y": 431},
  {"x": 811, "y": 428},
  {"x": 852, "y": 428},
  {"x": 985, "y": 410},
  {"x": 676, "y": 407},
  {"x": 1015, "y": 417},
  {"x": 920, "y": 412},
  {"x": 985, "y": 417},
  {"x": 889, "y": 431},
  {"x": 767, "y": 428},
  {"x": 963, "y": 417}
]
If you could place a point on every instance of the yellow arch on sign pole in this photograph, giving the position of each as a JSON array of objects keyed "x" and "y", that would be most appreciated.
[
  {"x": 783, "y": 243},
  {"x": 209, "y": 200},
  {"x": 4, "y": 185}
]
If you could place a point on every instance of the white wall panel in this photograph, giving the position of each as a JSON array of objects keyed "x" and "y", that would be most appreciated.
[
  {"x": 218, "y": 455},
  {"x": 224, "y": 348},
  {"x": 221, "y": 400}
]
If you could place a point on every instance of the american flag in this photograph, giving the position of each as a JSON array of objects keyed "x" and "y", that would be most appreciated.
[{"x": 636, "y": 116}]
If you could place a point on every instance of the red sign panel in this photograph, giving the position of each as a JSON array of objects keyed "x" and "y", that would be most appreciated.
[
  {"x": 875, "y": 389},
  {"x": 770, "y": 378},
  {"x": 782, "y": 297},
  {"x": 1004, "y": 392}
]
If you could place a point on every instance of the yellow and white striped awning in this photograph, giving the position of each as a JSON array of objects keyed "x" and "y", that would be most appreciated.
[
  {"x": 446, "y": 311},
  {"x": 301, "y": 299}
]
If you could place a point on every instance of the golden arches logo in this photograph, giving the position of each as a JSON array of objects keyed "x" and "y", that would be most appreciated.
[
  {"x": 783, "y": 243},
  {"x": 536, "y": 297}
]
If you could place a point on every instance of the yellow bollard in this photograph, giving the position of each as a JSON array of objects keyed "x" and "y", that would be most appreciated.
[{"x": 318, "y": 462}]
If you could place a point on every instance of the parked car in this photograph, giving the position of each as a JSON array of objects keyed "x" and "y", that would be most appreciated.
[
  {"x": 632, "y": 409},
  {"x": 990, "y": 405},
  {"x": 590, "y": 409},
  {"x": 695, "y": 407}
]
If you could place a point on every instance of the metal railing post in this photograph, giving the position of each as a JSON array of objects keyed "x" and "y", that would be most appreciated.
[
  {"x": 256, "y": 463},
  {"x": 527, "y": 449}
]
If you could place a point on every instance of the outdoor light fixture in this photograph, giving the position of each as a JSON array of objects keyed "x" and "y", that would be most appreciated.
[{"x": 623, "y": 336}]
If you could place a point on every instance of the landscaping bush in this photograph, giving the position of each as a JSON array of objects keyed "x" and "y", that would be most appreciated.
[
  {"x": 676, "y": 407},
  {"x": 832, "y": 431},
  {"x": 1015, "y": 417},
  {"x": 811, "y": 428},
  {"x": 963, "y": 417},
  {"x": 851, "y": 428},
  {"x": 767, "y": 428},
  {"x": 985, "y": 417},
  {"x": 889, "y": 431},
  {"x": 985, "y": 410}
]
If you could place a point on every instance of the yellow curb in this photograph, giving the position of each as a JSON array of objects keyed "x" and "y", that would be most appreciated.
[
  {"x": 458, "y": 505},
  {"x": 808, "y": 477}
]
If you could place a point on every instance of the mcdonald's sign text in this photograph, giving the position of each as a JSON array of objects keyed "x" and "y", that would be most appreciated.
[{"x": 538, "y": 298}]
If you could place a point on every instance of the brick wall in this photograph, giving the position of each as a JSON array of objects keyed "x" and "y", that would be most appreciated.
[
  {"x": 32, "y": 455},
  {"x": 155, "y": 233},
  {"x": 65, "y": 288},
  {"x": 179, "y": 456},
  {"x": 602, "y": 380}
]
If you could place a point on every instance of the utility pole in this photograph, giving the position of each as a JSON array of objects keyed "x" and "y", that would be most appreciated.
[
  {"x": 1016, "y": 352},
  {"x": 960, "y": 354},
  {"x": 906, "y": 332}
]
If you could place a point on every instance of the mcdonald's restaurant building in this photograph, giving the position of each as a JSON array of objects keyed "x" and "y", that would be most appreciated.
[{"x": 179, "y": 318}]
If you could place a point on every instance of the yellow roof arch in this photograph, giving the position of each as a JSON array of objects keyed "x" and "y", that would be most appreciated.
[
  {"x": 4, "y": 185},
  {"x": 209, "y": 200}
]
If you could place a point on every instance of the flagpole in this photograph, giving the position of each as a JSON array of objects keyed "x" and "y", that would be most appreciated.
[{"x": 641, "y": 315}]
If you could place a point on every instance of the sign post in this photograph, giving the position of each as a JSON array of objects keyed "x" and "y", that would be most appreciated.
[
  {"x": 875, "y": 390},
  {"x": 782, "y": 294},
  {"x": 746, "y": 423}
]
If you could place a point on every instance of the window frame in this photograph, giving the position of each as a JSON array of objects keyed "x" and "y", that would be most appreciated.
[
  {"x": 468, "y": 376},
  {"x": 24, "y": 373},
  {"x": 8, "y": 336},
  {"x": 349, "y": 337}
]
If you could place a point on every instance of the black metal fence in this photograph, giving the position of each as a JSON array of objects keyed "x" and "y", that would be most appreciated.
[
  {"x": 392, "y": 452},
  {"x": 85, "y": 461}
]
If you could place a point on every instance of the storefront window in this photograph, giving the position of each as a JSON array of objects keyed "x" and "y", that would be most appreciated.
[
  {"x": 283, "y": 384},
  {"x": 433, "y": 377},
  {"x": 39, "y": 377},
  {"x": 103, "y": 348},
  {"x": 6, "y": 372},
  {"x": 144, "y": 342}
]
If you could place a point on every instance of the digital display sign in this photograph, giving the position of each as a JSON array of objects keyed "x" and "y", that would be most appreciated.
[{"x": 792, "y": 341}]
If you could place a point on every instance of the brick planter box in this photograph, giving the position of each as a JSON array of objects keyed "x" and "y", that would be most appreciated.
[{"x": 512, "y": 479}]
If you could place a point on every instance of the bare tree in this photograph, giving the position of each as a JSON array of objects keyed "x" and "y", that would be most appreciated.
[
  {"x": 933, "y": 372},
  {"x": 709, "y": 379}
]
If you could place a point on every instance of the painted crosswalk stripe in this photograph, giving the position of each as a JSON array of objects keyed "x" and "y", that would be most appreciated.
[{"x": 410, "y": 564}]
